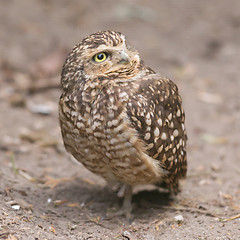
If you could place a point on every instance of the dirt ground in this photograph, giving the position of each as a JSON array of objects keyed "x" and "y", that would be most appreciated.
[{"x": 44, "y": 194}]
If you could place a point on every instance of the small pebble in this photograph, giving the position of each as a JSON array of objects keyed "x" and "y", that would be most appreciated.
[
  {"x": 72, "y": 226},
  {"x": 126, "y": 234},
  {"x": 178, "y": 219},
  {"x": 15, "y": 207}
]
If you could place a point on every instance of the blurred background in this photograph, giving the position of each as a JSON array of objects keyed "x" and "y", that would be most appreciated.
[{"x": 195, "y": 43}]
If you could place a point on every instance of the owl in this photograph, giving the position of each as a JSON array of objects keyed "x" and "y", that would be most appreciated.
[{"x": 121, "y": 119}]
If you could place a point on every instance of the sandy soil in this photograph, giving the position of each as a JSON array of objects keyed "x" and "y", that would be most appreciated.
[{"x": 45, "y": 195}]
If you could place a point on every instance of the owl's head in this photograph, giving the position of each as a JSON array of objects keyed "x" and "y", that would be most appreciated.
[{"x": 103, "y": 53}]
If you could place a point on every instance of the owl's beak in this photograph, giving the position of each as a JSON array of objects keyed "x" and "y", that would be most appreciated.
[{"x": 124, "y": 58}]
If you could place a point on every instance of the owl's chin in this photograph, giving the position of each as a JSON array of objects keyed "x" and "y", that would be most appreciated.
[
  {"x": 118, "y": 68},
  {"x": 123, "y": 68}
]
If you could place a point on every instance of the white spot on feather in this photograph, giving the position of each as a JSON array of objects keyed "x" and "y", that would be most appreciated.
[
  {"x": 164, "y": 136},
  {"x": 170, "y": 116},
  {"x": 175, "y": 133},
  {"x": 156, "y": 132},
  {"x": 73, "y": 113},
  {"x": 150, "y": 145},
  {"x": 122, "y": 94},
  {"x": 148, "y": 121},
  {"x": 178, "y": 113},
  {"x": 147, "y": 136},
  {"x": 159, "y": 121}
]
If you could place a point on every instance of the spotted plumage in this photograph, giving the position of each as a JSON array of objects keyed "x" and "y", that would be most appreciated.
[{"x": 119, "y": 118}]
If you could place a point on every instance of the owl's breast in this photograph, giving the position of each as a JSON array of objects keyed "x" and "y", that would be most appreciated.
[{"x": 103, "y": 140}]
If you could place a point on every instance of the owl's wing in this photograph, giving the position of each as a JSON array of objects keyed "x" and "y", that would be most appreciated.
[{"x": 155, "y": 111}]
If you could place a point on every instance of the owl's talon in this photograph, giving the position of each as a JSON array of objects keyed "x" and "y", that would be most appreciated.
[{"x": 122, "y": 212}]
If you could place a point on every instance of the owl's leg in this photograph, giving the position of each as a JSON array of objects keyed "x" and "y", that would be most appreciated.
[
  {"x": 126, "y": 209},
  {"x": 127, "y": 202},
  {"x": 120, "y": 189}
]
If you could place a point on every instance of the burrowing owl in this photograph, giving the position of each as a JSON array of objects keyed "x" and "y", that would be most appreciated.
[{"x": 119, "y": 118}]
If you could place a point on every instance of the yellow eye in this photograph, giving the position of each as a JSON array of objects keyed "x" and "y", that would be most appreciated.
[{"x": 100, "y": 57}]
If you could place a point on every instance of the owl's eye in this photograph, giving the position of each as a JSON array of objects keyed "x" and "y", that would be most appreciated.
[{"x": 100, "y": 57}]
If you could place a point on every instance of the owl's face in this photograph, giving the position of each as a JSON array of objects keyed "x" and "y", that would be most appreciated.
[
  {"x": 105, "y": 53},
  {"x": 106, "y": 59}
]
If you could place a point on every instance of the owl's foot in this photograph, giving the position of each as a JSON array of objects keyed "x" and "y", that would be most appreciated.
[{"x": 126, "y": 208}]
